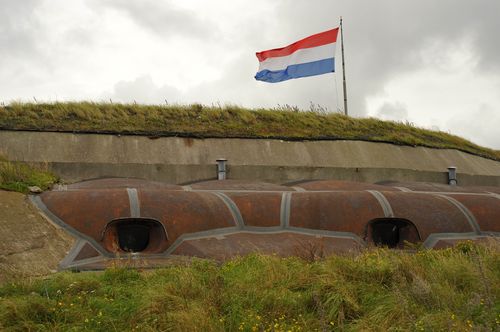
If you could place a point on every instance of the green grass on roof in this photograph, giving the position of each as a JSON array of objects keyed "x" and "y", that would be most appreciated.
[{"x": 224, "y": 122}]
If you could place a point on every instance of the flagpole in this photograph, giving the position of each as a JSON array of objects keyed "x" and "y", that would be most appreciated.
[{"x": 343, "y": 65}]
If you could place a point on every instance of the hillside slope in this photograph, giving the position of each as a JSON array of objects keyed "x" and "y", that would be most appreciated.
[{"x": 229, "y": 122}]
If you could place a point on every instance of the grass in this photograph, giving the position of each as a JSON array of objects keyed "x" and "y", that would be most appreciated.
[
  {"x": 229, "y": 121},
  {"x": 375, "y": 290},
  {"x": 18, "y": 176}
]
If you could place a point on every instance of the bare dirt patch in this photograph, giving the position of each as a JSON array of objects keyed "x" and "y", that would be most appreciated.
[{"x": 29, "y": 244}]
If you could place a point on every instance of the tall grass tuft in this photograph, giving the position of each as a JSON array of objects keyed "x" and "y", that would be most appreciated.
[
  {"x": 18, "y": 176},
  {"x": 375, "y": 290}
]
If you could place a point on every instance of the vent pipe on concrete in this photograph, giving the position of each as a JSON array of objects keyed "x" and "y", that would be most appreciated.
[
  {"x": 452, "y": 176},
  {"x": 221, "y": 168}
]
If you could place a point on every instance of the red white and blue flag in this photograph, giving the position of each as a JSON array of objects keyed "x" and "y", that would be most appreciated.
[{"x": 314, "y": 55}]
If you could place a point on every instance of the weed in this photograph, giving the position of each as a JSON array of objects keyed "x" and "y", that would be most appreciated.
[
  {"x": 18, "y": 176},
  {"x": 283, "y": 122},
  {"x": 375, "y": 290}
]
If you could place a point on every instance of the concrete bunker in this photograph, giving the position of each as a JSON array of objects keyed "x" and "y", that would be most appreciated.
[
  {"x": 134, "y": 235},
  {"x": 392, "y": 232},
  {"x": 113, "y": 218}
]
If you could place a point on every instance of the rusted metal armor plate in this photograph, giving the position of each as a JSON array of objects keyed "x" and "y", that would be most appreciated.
[
  {"x": 222, "y": 219},
  {"x": 185, "y": 212},
  {"x": 429, "y": 213},
  {"x": 283, "y": 244},
  {"x": 486, "y": 210},
  {"x": 258, "y": 209},
  {"x": 86, "y": 211},
  {"x": 335, "y": 211}
]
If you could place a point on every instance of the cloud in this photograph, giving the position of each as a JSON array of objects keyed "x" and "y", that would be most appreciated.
[
  {"x": 164, "y": 18},
  {"x": 19, "y": 29},
  {"x": 480, "y": 125},
  {"x": 383, "y": 39},
  {"x": 143, "y": 90},
  {"x": 396, "y": 111},
  {"x": 427, "y": 62}
]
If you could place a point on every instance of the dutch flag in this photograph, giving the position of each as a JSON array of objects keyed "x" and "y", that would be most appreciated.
[{"x": 314, "y": 55}]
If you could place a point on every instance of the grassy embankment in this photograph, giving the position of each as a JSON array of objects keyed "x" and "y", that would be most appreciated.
[
  {"x": 379, "y": 289},
  {"x": 229, "y": 121},
  {"x": 18, "y": 176}
]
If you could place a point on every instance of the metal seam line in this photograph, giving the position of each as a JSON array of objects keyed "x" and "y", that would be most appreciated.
[
  {"x": 494, "y": 195},
  {"x": 199, "y": 235},
  {"x": 434, "y": 238},
  {"x": 233, "y": 230},
  {"x": 75, "y": 250},
  {"x": 384, "y": 203},
  {"x": 233, "y": 208},
  {"x": 406, "y": 190},
  {"x": 37, "y": 201},
  {"x": 286, "y": 198},
  {"x": 135, "y": 205},
  {"x": 468, "y": 215}
]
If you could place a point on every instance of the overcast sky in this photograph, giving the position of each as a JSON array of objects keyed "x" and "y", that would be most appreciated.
[{"x": 433, "y": 63}]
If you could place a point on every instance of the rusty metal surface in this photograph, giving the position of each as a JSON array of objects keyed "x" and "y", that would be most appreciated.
[
  {"x": 222, "y": 219},
  {"x": 282, "y": 244},
  {"x": 258, "y": 209},
  {"x": 185, "y": 212},
  {"x": 486, "y": 210},
  {"x": 335, "y": 211},
  {"x": 429, "y": 213},
  {"x": 88, "y": 211}
]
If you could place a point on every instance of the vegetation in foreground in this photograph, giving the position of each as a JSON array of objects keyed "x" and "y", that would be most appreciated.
[
  {"x": 228, "y": 121},
  {"x": 18, "y": 176},
  {"x": 376, "y": 290}
]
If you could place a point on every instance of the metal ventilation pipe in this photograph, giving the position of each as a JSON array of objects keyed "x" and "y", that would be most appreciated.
[
  {"x": 452, "y": 176},
  {"x": 221, "y": 168}
]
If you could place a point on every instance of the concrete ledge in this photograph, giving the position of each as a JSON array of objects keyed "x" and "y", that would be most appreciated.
[
  {"x": 77, "y": 157},
  {"x": 185, "y": 174}
]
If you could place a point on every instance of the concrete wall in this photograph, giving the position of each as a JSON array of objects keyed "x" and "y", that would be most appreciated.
[{"x": 179, "y": 160}]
